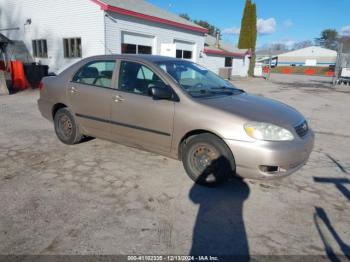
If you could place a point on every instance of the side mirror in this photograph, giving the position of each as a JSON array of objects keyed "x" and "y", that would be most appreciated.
[{"x": 161, "y": 93}]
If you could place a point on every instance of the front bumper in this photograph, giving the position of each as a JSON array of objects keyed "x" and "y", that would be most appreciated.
[{"x": 286, "y": 156}]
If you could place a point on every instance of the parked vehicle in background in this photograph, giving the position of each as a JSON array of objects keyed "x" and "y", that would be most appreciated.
[
  {"x": 178, "y": 109},
  {"x": 344, "y": 77}
]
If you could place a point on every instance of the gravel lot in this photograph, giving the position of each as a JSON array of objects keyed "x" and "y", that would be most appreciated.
[{"x": 103, "y": 198}]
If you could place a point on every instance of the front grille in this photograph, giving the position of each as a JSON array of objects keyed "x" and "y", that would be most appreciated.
[{"x": 302, "y": 129}]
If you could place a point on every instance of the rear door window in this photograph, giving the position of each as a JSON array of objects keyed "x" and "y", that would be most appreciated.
[{"x": 97, "y": 73}]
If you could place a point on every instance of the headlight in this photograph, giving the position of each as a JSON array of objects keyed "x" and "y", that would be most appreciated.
[{"x": 269, "y": 132}]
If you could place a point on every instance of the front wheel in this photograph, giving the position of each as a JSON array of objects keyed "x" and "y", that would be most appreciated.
[
  {"x": 66, "y": 127},
  {"x": 207, "y": 160}
]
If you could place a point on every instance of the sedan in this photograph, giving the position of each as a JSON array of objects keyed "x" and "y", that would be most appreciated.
[{"x": 178, "y": 109}]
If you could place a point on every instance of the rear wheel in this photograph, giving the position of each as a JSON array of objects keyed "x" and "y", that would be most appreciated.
[
  {"x": 66, "y": 127},
  {"x": 207, "y": 160}
]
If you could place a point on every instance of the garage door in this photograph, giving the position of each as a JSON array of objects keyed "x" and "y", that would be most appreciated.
[
  {"x": 133, "y": 43},
  {"x": 184, "y": 50}
]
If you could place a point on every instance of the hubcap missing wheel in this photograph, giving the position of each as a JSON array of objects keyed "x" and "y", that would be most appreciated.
[
  {"x": 65, "y": 126},
  {"x": 202, "y": 157}
]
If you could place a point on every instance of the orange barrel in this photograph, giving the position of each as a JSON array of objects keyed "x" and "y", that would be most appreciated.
[
  {"x": 329, "y": 73},
  {"x": 286, "y": 70},
  {"x": 309, "y": 71},
  {"x": 19, "y": 80}
]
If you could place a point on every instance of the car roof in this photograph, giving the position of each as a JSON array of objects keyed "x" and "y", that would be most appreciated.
[
  {"x": 148, "y": 58},
  {"x": 138, "y": 58}
]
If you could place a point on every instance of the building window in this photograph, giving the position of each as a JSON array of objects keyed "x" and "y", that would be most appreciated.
[
  {"x": 72, "y": 47},
  {"x": 183, "y": 54},
  {"x": 39, "y": 48},
  {"x": 178, "y": 53},
  {"x": 136, "y": 49},
  {"x": 228, "y": 61}
]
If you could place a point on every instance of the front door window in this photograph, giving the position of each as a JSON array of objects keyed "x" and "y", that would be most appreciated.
[{"x": 137, "y": 78}]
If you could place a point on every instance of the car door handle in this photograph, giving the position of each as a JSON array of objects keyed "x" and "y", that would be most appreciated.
[
  {"x": 118, "y": 98},
  {"x": 73, "y": 90}
]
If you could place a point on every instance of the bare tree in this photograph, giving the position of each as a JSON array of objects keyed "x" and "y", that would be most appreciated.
[{"x": 302, "y": 44}]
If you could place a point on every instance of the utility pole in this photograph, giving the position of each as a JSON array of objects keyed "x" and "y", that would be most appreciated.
[
  {"x": 338, "y": 62},
  {"x": 270, "y": 62}
]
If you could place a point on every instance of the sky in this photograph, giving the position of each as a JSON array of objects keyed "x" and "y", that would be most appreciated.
[{"x": 279, "y": 21}]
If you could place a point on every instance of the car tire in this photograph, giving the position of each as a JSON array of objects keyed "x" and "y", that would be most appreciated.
[
  {"x": 207, "y": 159},
  {"x": 66, "y": 127}
]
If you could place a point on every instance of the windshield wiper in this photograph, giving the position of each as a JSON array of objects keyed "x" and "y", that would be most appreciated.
[
  {"x": 217, "y": 91},
  {"x": 209, "y": 92},
  {"x": 228, "y": 90},
  {"x": 225, "y": 88}
]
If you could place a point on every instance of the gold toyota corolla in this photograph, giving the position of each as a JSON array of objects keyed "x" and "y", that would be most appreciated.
[{"x": 178, "y": 109}]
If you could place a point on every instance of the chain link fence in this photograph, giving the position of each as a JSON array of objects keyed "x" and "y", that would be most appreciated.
[{"x": 342, "y": 68}]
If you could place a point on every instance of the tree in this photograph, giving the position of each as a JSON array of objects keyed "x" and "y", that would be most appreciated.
[
  {"x": 279, "y": 47},
  {"x": 185, "y": 16},
  {"x": 245, "y": 39},
  {"x": 254, "y": 31},
  {"x": 328, "y": 39},
  {"x": 302, "y": 44},
  {"x": 248, "y": 34},
  {"x": 212, "y": 30}
]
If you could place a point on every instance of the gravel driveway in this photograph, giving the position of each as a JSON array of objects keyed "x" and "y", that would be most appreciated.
[{"x": 103, "y": 198}]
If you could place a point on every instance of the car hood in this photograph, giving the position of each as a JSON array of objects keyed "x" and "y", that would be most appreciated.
[{"x": 256, "y": 108}]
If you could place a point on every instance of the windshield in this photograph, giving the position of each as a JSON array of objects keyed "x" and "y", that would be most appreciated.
[{"x": 197, "y": 80}]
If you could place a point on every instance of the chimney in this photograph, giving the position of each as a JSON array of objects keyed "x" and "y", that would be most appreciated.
[{"x": 217, "y": 44}]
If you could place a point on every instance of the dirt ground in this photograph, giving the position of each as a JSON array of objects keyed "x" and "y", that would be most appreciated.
[{"x": 103, "y": 198}]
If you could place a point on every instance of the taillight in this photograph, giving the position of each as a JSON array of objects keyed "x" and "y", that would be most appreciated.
[{"x": 41, "y": 86}]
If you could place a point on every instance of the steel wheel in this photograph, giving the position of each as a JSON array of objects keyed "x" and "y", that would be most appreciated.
[
  {"x": 66, "y": 127},
  {"x": 207, "y": 160},
  {"x": 201, "y": 159}
]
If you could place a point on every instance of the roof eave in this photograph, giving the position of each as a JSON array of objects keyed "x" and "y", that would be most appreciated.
[
  {"x": 224, "y": 53},
  {"x": 122, "y": 11}
]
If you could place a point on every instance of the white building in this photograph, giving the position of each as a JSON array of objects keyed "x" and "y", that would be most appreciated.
[
  {"x": 60, "y": 32},
  {"x": 218, "y": 55},
  {"x": 309, "y": 56}
]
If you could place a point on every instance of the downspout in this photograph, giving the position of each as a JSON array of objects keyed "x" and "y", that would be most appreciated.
[{"x": 105, "y": 31}]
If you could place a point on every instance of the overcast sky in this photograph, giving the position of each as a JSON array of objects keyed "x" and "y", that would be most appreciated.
[{"x": 279, "y": 21}]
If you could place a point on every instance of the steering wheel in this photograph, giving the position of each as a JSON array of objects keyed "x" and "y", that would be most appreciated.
[{"x": 197, "y": 86}]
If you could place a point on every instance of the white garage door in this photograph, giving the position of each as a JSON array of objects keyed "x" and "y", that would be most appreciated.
[
  {"x": 133, "y": 43},
  {"x": 168, "y": 50},
  {"x": 184, "y": 50}
]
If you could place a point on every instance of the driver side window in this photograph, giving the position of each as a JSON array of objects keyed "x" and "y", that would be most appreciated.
[{"x": 137, "y": 78}]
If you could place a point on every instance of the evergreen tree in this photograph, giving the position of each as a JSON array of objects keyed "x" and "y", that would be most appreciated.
[
  {"x": 328, "y": 39},
  {"x": 185, "y": 16},
  {"x": 247, "y": 38},
  {"x": 253, "y": 24},
  {"x": 212, "y": 29},
  {"x": 245, "y": 34}
]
